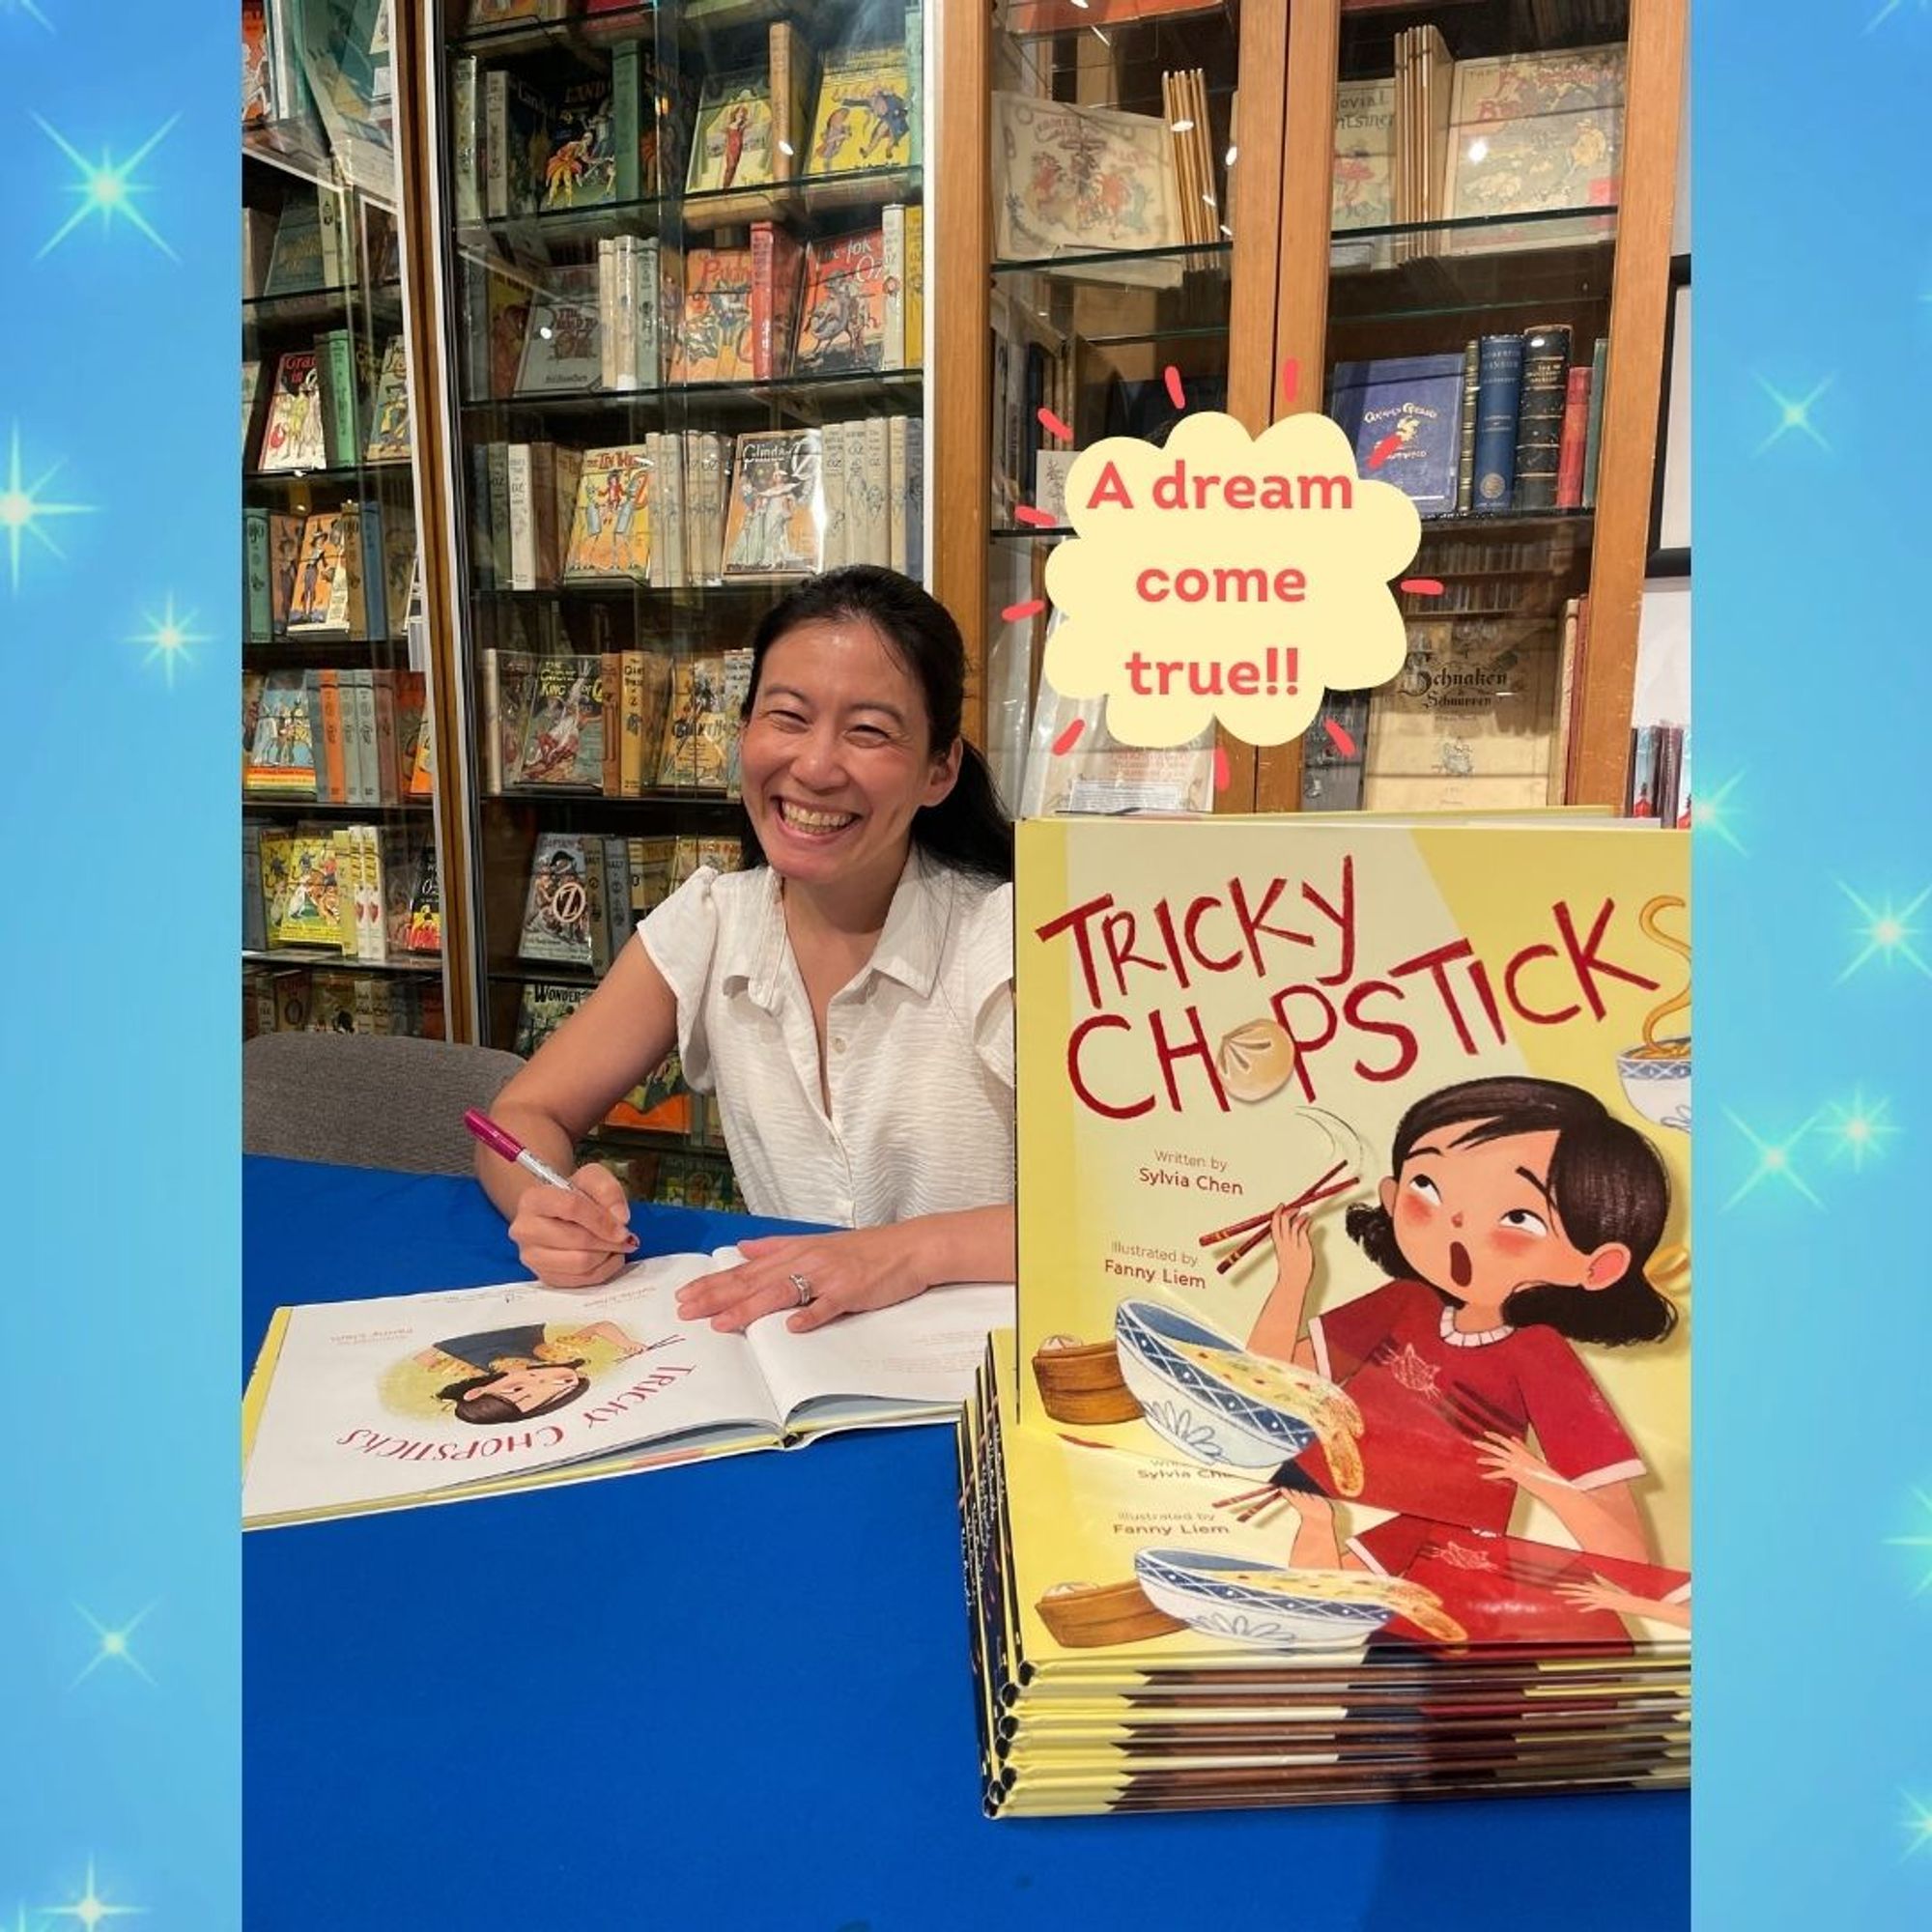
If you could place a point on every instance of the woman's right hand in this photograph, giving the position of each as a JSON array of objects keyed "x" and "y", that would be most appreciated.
[
  {"x": 1294, "y": 1252},
  {"x": 578, "y": 1237}
]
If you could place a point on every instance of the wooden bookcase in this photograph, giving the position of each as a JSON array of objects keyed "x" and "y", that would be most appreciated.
[{"x": 1284, "y": 302}]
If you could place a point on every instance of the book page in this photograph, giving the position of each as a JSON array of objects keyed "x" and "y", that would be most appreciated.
[
  {"x": 922, "y": 1352},
  {"x": 368, "y": 1401}
]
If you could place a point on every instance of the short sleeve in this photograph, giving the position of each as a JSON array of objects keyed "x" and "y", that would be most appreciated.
[
  {"x": 988, "y": 958},
  {"x": 681, "y": 937},
  {"x": 1577, "y": 1429},
  {"x": 1344, "y": 1338}
]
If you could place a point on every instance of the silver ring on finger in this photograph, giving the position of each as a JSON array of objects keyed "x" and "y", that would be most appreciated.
[{"x": 802, "y": 1289}]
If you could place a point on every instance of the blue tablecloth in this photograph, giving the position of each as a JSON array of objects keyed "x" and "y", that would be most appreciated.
[{"x": 736, "y": 1695}]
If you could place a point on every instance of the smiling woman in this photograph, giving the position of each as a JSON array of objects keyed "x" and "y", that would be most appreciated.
[{"x": 848, "y": 997}]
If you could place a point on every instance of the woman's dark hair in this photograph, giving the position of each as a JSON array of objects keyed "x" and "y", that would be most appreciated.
[
  {"x": 474, "y": 1404},
  {"x": 967, "y": 828},
  {"x": 1607, "y": 1180}
]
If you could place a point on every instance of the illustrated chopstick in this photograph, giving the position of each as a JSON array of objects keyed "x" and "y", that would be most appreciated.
[
  {"x": 1320, "y": 1191},
  {"x": 1260, "y": 1234}
]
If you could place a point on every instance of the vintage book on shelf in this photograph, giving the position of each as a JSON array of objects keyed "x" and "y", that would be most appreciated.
[
  {"x": 791, "y": 65},
  {"x": 516, "y": 144},
  {"x": 731, "y": 140},
  {"x": 776, "y": 514},
  {"x": 1364, "y": 182},
  {"x": 1331, "y": 759},
  {"x": 281, "y": 755},
  {"x": 694, "y": 753},
  {"x": 349, "y": 1403},
  {"x": 254, "y": 406},
  {"x": 556, "y": 909},
  {"x": 389, "y": 415},
  {"x": 713, "y": 343},
  {"x": 322, "y": 597},
  {"x": 1499, "y": 395},
  {"x": 862, "y": 118},
  {"x": 842, "y": 311},
  {"x": 562, "y": 334},
  {"x": 580, "y": 168},
  {"x": 610, "y": 524},
  {"x": 1403, "y": 415},
  {"x": 1082, "y": 180},
  {"x": 508, "y": 678},
  {"x": 646, "y": 681},
  {"x": 777, "y": 264},
  {"x": 294, "y": 436},
  {"x": 563, "y": 738},
  {"x": 1532, "y": 133},
  {"x": 1102, "y": 775},
  {"x": 1469, "y": 724},
  {"x": 1538, "y": 416},
  {"x": 295, "y": 262},
  {"x": 542, "y": 1007}
]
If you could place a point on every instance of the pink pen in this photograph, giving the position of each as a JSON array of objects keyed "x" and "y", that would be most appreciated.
[{"x": 498, "y": 1140}]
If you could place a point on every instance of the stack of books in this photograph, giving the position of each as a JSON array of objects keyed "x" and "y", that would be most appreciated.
[{"x": 1341, "y": 1449}]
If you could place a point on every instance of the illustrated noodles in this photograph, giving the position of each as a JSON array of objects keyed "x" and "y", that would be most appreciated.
[
  {"x": 1331, "y": 1412},
  {"x": 1423, "y": 1608},
  {"x": 1656, "y": 1044}
]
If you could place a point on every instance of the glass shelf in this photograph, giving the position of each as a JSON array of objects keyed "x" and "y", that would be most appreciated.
[
  {"x": 1108, "y": 265},
  {"x": 347, "y": 475},
  {"x": 329, "y": 807},
  {"x": 306, "y": 307},
  {"x": 426, "y": 963},
  {"x": 328, "y": 641},
  {"x": 661, "y": 795},
  {"x": 1474, "y": 28},
  {"x": 810, "y": 395}
]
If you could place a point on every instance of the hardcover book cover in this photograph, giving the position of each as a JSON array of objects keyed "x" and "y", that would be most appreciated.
[
  {"x": 281, "y": 754},
  {"x": 714, "y": 331},
  {"x": 1369, "y": 1178},
  {"x": 556, "y": 911},
  {"x": 862, "y": 117},
  {"x": 1364, "y": 182},
  {"x": 563, "y": 739},
  {"x": 389, "y": 416},
  {"x": 295, "y": 436},
  {"x": 1082, "y": 180},
  {"x": 610, "y": 524},
  {"x": 731, "y": 141},
  {"x": 842, "y": 311},
  {"x": 562, "y": 350},
  {"x": 1404, "y": 415},
  {"x": 698, "y": 727},
  {"x": 776, "y": 520}
]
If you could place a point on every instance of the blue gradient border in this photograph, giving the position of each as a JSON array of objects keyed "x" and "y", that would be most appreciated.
[
  {"x": 120, "y": 567},
  {"x": 1813, "y": 259}
]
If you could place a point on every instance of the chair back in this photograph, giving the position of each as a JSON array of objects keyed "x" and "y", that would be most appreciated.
[{"x": 366, "y": 1099}]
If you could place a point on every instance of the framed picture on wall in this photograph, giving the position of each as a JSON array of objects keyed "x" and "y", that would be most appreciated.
[{"x": 1670, "y": 487}]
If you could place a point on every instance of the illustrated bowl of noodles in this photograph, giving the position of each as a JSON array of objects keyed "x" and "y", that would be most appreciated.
[
  {"x": 1220, "y": 1405},
  {"x": 1656, "y": 1079},
  {"x": 1226, "y": 1596}
]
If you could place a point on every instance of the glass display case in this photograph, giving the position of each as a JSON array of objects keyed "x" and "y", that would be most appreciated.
[
  {"x": 342, "y": 924},
  {"x": 684, "y": 252}
]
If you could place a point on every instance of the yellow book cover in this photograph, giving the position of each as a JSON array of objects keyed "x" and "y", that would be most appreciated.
[
  {"x": 775, "y": 524},
  {"x": 1354, "y": 1171},
  {"x": 731, "y": 143},
  {"x": 863, "y": 120},
  {"x": 611, "y": 522},
  {"x": 714, "y": 335}
]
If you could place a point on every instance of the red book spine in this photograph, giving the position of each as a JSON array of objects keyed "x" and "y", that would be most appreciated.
[
  {"x": 762, "y": 368},
  {"x": 1576, "y": 433}
]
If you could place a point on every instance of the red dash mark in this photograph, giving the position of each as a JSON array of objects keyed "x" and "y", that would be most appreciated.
[
  {"x": 1069, "y": 738},
  {"x": 1291, "y": 380},
  {"x": 1220, "y": 769},
  {"x": 1176, "y": 394},
  {"x": 1382, "y": 451},
  {"x": 1339, "y": 738},
  {"x": 1422, "y": 586},
  {"x": 1038, "y": 519},
  {"x": 1053, "y": 426},
  {"x": 1014, "y": 613}
]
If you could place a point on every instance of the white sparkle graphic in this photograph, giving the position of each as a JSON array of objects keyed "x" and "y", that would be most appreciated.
[
  {"x": 1891, "y": 7},
  {"x": 1774, "y": 1160},
  {"x": 1857, "y": 1128},
  {"x": 1922, "y": 1541},
  {"x": 27, "y": 8},
  {"x": 107, "y": 187},
  {"x": 22, "y": 508},
  {"x": 90, "y": 1908},
  {"x": 113, "y": 1644},
  {"x": 169, "y": 637},
  {"x": 1794, "y": 415},
  {"x": 1888, "y": 933},
  {"x": 1711, "y": 813},
  {"x": 1917, "y": 1825}
]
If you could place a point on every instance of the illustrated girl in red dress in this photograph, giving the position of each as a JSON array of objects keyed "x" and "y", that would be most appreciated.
[{"x": 1517, "y": 1221}]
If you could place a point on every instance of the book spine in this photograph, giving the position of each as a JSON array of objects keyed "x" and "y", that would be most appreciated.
[
  {"x": 1465, "y": 445},
  {"x": 629, "y": 718},
  {"x": 366, "y": 779},
  {"x": 893, "y": 348},
  {"x": 610, "y": 777},
  {"x": 331, "y": 785},
  {"x": 344, "y": 445},
  {"x": 254, "y": 917},
  {"x": 500, "y": 515},
  {"x": 1539, "y": 435},
  {"x": 831, "y": 484},
  {"x": 1576, "y": 431},
  {"x": 493, "y": 722},
  {"x": 789, "y": 139},
  {"x": 606, "y": 314},
  {"x": 332, "y": 229},
  {"x": 914, "y": 52},
  {"x": 878, "y": 521},
  {"x": 463, "y": 143},
  {"x": 370, "y": 580},
  {"x": 1593, "y": 434},
  {"x": 1499, "y": 385},
  {"x": 594, "y": 889},
  {"x": 388, "y": 786},
  {"x": 626, "y": 126},
  {"x": 915, "y": 498},
  {"x": 763, "y": 370},
  {"x": 626, "y": 327},
  {"x": 261, "y": 617},
  {"x": 496, "y": 143},
  {"x": 896, "y": 505},
  {"x": 1566, "y": 699}
]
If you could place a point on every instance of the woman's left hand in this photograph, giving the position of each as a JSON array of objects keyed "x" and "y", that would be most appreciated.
[
  {"x": 1508, "y": 1459},
  {"x": 862, "y": 1267}
]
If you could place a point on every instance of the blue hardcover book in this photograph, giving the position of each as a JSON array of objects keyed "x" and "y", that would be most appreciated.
[
  {"x": 1404, "y": 413},
  {"x": 1498, "y": 392}
]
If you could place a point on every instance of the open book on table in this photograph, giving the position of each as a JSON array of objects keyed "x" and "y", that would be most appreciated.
[{"x": 359, "y": 1405}]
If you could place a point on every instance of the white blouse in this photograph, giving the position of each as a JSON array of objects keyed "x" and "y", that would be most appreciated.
[{"x": 918, "y": 1047}]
